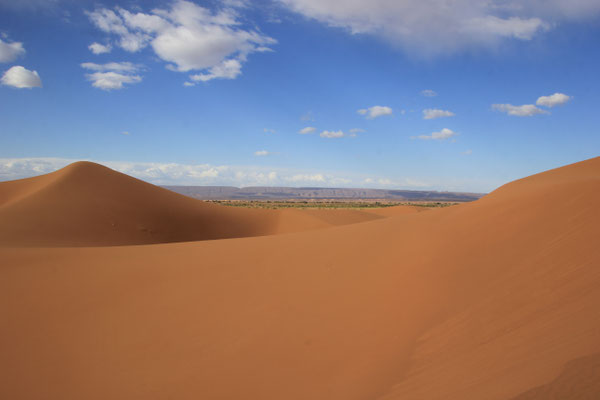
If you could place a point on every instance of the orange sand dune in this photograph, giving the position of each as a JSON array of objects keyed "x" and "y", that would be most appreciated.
[
  {"x": 86, "y": 204},
  {"x": 496, "y": 299},
  {"x": 396, "y": 210}
]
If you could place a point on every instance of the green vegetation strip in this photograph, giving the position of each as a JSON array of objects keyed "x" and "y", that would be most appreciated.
[{"x": 325, "y": 204}]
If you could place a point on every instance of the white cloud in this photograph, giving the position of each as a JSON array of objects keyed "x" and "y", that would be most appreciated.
[
  {"x": 111, "y": 22},
  {"x": 436, "y": 27},
  {"x": 433, "y": 113},
  {"x": 125, "y": 133},
  {"x": 268, "y": 130},
  {"x": 512, "y": 27},
  {"x": 98, "y": 48},
  {"x": 307, "y": 130},
  {"x": 228, "y": 69},
  {"x": 375, "y": 111},
  {"x": 441, "y": 135},
  {"x": 10, "y": 51},
  {"x": 113, "y": 75},
  {"x": 21, "y": 78},
  {"x": 111, "y": 80},
  {"x": 169, "y": 173},
  {"x": 262, "y": 153},
  {"x": 332, "y": 134},
  {"x": 18, "y": 168},
  {"x": 428, "y": 93},
  {"x": 556, "y": 99},
  {"x": 188, "y": 37},
  {"x": 112, "y": 66},
  {"x": 467, "y": 152},
  {"x": 526, "y": 110}
]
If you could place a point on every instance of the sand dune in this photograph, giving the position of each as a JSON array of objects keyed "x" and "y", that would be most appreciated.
[
  {"x": 86, "y": 204},
  {"x": 495, "y": 299}
]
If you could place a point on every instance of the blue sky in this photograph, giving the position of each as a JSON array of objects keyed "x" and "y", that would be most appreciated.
[{"x": 462, "y": 95}]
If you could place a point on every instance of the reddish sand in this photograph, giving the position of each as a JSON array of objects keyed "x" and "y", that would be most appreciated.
[{"x": 495, "y": 299}]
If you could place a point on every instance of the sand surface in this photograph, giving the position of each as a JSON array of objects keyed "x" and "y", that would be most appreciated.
[{"x": 495, "y": 299}]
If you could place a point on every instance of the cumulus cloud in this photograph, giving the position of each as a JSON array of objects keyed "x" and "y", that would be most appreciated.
[
  {"x": 111, "y": 22},
  {"x": 375, "y": 111},
  {"x": 556, "y": 99},
  {"x": 98, "y": 48},
  {"x": 525, "y": 110},
  {"x": 262, "y": 153},
  {"x": 307, "y": 130},
  {"x": 10, "y": 51},
  {"x": 21, "y": 78},
  {"x": 428, "y": 93},
  {"x": 187, "y": 36},
  {"x": 228, "y": 69},
  {"x": 433, "y": 113},
  {"x": 113, "y": 75},
  {"x": 332, "y": 134},
  {"x": 111, "y": 80},
  {"x": 440, "y": 27},
  {"x": 441, "y": 135}
]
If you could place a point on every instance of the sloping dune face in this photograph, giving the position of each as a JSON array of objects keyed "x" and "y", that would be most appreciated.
[
  {"x": 86, "y": 204},
  {"x": 496, "y": 299}
]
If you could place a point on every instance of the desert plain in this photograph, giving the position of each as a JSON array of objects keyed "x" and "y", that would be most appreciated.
[{"x": 112, "y": 288}]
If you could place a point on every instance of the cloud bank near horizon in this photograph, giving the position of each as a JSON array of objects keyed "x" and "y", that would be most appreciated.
[{"x": 224, "y": 175}]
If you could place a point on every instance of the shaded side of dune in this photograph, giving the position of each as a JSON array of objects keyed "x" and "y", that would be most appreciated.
[{"x": 579, "y": 380}]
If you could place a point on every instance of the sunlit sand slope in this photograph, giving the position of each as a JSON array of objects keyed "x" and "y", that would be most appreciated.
[{"x": 496, "y": 299}]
